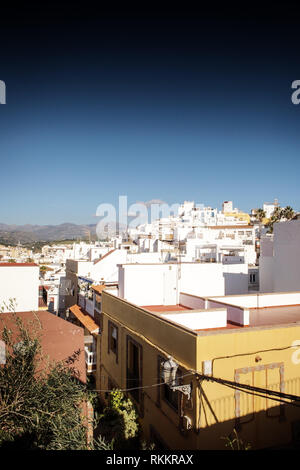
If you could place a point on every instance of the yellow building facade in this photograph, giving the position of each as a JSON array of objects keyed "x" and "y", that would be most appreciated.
[
  {"x": 133, "y": 345},
  {"x": 239, "y": 215}
]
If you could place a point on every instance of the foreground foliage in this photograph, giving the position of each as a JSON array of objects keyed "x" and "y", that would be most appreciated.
[
  {"x": 41, "y": 407},
  {"x": 119, "y": 421},
  {"x": 234, "y": 442}
]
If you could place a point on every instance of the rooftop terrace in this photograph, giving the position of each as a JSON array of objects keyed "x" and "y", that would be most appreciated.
[{"x": 231, "y": 312}]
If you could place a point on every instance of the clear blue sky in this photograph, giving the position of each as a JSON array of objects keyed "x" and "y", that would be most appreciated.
[{"x": 179, "y": 111}]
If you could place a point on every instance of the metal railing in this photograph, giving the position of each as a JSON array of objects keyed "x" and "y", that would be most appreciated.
[{"x": 90, "y": 360}]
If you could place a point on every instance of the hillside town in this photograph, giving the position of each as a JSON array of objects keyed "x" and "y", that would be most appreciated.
[{"x": 194, "y": 316}]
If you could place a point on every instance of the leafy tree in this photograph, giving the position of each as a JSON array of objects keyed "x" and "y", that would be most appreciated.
[
  {"x": 119, "y": 421},
  {"x": 288, "y": 212},
  {"x": 234, "y": 442},
  {"x": 260, "y": 215},
  {"x": 41, "y": 407},
  {"x": 279, "y": 214},
  {"x": 44, "y": 268}
]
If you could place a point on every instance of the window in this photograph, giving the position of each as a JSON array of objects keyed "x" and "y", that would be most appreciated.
[
  {"x": 170, "y": 396},
  {"x": 134, "y": 368},
  {"x": 252, "y": 278},
  {"x": 98, "y": 302},
  {"x": 113, "y": 339}
]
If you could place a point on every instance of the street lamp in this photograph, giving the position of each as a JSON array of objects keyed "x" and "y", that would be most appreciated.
[{"x": 169, "y": 370}]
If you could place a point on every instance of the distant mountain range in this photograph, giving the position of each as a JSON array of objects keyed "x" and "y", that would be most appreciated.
[{"x": 33, "y": 233}]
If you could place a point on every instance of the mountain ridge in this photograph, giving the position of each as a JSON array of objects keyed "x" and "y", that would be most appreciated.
[{"x": 12, "y": 233}]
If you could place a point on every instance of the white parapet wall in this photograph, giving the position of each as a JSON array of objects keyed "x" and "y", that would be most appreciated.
[
  {"x": 199, "y": 320},
  {"x": 19, "y": 281},
  {"x": 261, "y": 300},
  {"x": 237, "y": 315},
  {"x": 191, "y": 301}
]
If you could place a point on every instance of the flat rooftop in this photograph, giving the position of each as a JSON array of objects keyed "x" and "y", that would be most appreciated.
[
  {"x": 261, "y": 309},
  {"x": 165, "y": 308},
  {"x": 259, "y": 299},
  {"x": 264, "y": 310},
  {"x": 193, "y": 318}
]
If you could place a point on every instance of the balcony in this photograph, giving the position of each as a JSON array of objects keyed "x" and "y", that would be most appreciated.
[{"x": 90, "y": 360}]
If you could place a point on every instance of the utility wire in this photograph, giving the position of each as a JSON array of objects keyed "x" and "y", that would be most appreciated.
[
  {"x": 256, "y": 391},
  {"x": 144, "y": 386}
]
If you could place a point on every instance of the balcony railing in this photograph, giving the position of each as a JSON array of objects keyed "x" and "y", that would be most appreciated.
[{"x": 90, "y": 360}]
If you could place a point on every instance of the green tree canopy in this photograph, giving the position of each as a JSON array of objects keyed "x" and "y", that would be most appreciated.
[{"x": 279, "y": 214}]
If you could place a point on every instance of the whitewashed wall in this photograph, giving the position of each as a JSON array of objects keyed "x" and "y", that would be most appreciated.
[
  {"x": 22, "y": 283},
  {"x": 202, "y": 279},
  {"x": 106, "y": 269},
  {"x": 146, "y": 284},
  {"x": 200, "y": 320},
  {"x": 237, "y": 315},
  {"x": 191, "y": 301},
  {"x": 235, "y": 278},
  {"x": 282, "y": 271}
]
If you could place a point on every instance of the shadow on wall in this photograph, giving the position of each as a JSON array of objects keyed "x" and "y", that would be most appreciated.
[
  {"x": 276, "y": 428},
  {"x": 236, "y": 283}
]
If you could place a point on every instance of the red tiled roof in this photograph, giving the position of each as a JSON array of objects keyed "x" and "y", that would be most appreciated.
[
  {"x": 59, "y": 338},
  {"x": 85, "y": 319},
  {"x": 99, "y": 288},
  {"x": 18, "y": 264}
]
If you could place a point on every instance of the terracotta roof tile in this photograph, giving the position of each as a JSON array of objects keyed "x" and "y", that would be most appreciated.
[
  {"x": 18, "y": 264},
  {"x": 99, "y": 289},
  {"x": 85, "y": 319}
]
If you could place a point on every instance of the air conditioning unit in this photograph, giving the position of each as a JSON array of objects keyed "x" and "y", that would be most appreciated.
[{"x": 187, "y": 423}]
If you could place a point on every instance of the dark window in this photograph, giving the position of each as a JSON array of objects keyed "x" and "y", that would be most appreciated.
[
  {"x": 170, "y": 396},
  {"x": 113, "y": 339},
  {"x": 134, "y": 368}
]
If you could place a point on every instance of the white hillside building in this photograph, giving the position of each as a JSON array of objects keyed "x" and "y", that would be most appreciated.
[
  {"x": 280, "y": 258},
  {"x": 160, "y": 283}
]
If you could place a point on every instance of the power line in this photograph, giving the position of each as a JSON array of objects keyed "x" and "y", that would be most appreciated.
[
  {"x": 144, "y": 386},
  {"x": 261, "y": 392},
  {"x": 252, "y": 390}
]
